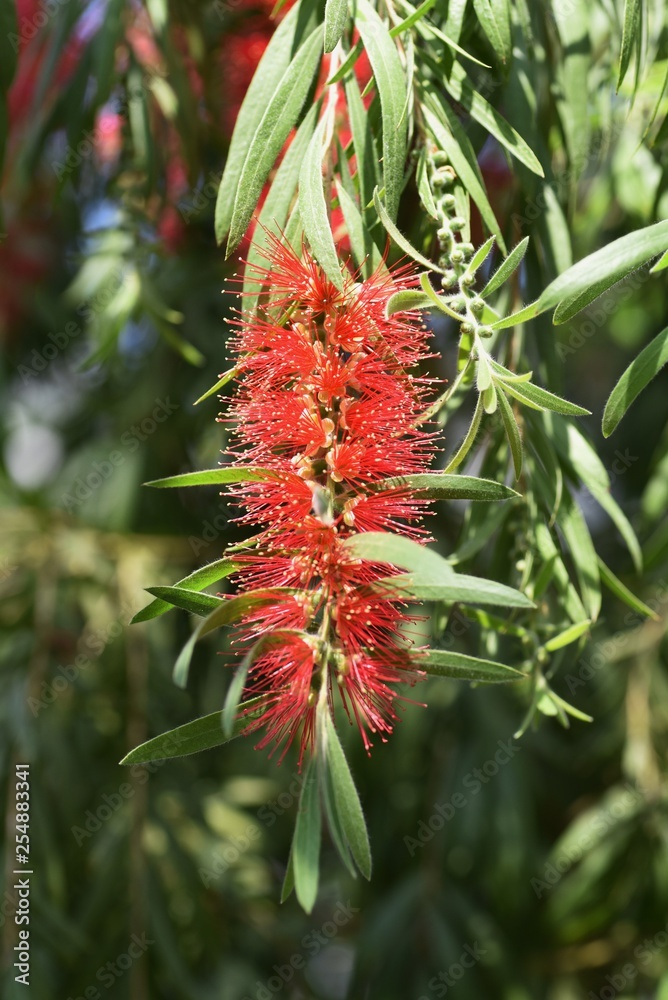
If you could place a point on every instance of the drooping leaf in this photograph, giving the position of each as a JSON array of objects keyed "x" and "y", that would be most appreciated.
[
  {"x": 443, "y": 663},
  {"x": 305, "y": 852},
  {"x": 336, "y": 16},
  {"x": 201, "y": 734},
  {"x": 583, "y": 554},
  {"x": 399, "y": 237},
  {"x": 276, "y": 207},
  {"x": 450, "y": 136},
  {"x": 585, "y": 281},
  {"x": 313, "y": 208},
  {"x": 278, "y": 120},
  {"x": 494, "y": 17},
  {"x": 620, "y": 590},
  {"x": 390, "y": 82},
  {"x": 346, "y": 801},
  {"x": 461, "y": 89},
  {"x": 432, "y": 586},
  {"x": 512, "y": 432},
  {"x": 273, "y": 64},
  {"x": 630, "y": 36},
  {"x": 637, "y": 376}
]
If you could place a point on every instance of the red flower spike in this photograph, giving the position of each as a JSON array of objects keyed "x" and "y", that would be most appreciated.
[{"x": 327, "y": 400}]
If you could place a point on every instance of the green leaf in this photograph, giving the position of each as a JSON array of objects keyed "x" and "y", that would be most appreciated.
[
  {"x": 512, "y": 432},
  {"x": 423, "y": 186},
  {"x": 215, "y": 477},
  {"x": 461, "y": 89},
  {"x": 471, "y": 435},
  {"x": 399, "y": 238},
  {"x": 620, "y": 590},
  {"x": 277, "y": 122},
  {"x": 480, "y": 255},
  {"x": 273, "y": 64},
  {"x": 439, "y": 486},
  {"x": 569, "y": 635},
  {"x": 276, "y": 208},
  {"x": 385, "y": 547},
  {"x": 443, "y": 663},
  {"x": 363, "y": 144},
  {"x": 521, "y": 316},
  {"x": 336, "y": 16},
  {"x": 406, "y": 300},
  {"x": 346, "y": 801},
  {"x": 506, "y": 268},
  {"x": 417, "y": 14},
  {"x": 361, "y": 243},
  {"x": 583, "y": 554},
  {"x": 389, "y": 76},
  {"x": 539, "y": 399},
  {"x": 494, "y": 18},
  {"x": 313, "y": 208},
  {"x": 201, "y": 734},
  {"x": 637, "y": 376},
  {"x": 662, "y": 262},
  {"x": 454, "y": 141},
  {"x": 431, "y": 586},
  {"x": 179, "y": 597},
  {"x": 222, "y": 381},
  {"x": 630, "y": 33},
  {"x": 306, "y": 843},
  {"x": 198, "y": 580},
  {"x": 590, "y": 277},
  {"x": 289, "y": 881}
]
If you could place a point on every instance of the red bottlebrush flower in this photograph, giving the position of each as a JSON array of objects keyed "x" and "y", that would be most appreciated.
[{"x": 327, "y": 403}]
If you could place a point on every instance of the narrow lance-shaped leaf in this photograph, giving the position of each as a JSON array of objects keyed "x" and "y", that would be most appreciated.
[
  {"x": 506, "y": 268},
  {"x": 271, "y": 68},
  {"x": 278, "y": 120},
  {"x": 306, "y": 842},
  {"x": 443, "y": 663},
  {"x": 637, "y": 376},
  {"x": 512, "y": 431},
  {"x": 313, "y": 208},
  {"x": 346, "y": 801},
  {"x": 196, "y": 581},
  {"x": 216, "y": 477},
  {"x": 179, "y": 597},
  {"x": 336, "y": 15},
  {"x": 389, "y": 76},
  {"x": 442, "y": 486},
  {"x": 201, "y": 734},
  {"x": 630, "y": 30},
  {"x": 590, "y": 277},
  {"x": 399, "y": 237}
]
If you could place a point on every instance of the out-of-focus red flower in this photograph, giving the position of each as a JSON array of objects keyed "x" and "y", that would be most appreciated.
[{"x": 328, "y": 405}]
